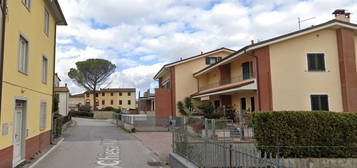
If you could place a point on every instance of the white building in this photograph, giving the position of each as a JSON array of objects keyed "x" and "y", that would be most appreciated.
[{"x": 62, "y": 93}]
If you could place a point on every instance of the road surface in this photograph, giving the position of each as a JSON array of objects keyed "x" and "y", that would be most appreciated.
[{"x": 98, "y": 144}]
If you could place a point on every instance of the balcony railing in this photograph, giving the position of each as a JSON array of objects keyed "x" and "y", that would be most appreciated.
[{"x": 230, "y": 81}]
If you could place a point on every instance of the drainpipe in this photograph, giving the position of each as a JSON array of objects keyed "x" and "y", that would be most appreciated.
[
  {"x": 257, "y": 61},
  {"x": 3, "y": 10}
]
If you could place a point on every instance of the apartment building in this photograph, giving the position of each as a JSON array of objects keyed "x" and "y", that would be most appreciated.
[
  {"x": 310, "y": 69},
  {"x": 176, "y": 81},
  {"x": 27, "y": 70},
  {"x": 120, "y": 98}
]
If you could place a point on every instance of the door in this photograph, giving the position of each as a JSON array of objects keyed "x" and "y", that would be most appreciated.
[
  {"x": 19, "y": 127},
  {"x": 243, "y": 104}
]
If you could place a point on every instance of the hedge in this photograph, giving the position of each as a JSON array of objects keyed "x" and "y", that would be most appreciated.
[
  {"x": 81, "y": 114},
  {"x": 306, "y": 133}
]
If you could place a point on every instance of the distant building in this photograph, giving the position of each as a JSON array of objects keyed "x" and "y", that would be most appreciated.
[
  {"x": 75, "y": 101},
  {"x": 120, "y": 98},
  {"x": 62, "y": 94},
  {"x": 146, "y": 104}
]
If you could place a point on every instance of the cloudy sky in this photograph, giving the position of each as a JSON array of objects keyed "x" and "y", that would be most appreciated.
[{"x": 140, "y": 36}]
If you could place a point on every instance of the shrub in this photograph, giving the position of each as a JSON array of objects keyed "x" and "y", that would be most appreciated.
[
  {"x": 307, "y": 134},
  {"x": 81, "y": 114},
  {"x": 108, "y": 108},
  {"x": 58, "y": 123},
  {"x": 84, "y": 108},
  {"x": 207, "y": 109}
]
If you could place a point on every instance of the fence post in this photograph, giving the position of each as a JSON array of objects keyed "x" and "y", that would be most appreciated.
[{"x": 230, "y": 156}]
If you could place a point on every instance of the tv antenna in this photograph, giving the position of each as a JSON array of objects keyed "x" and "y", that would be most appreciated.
[{"x": 300, "y": 21}]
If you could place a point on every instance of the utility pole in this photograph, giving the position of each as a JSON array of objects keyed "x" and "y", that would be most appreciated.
[{"x": 300, "y": 21}]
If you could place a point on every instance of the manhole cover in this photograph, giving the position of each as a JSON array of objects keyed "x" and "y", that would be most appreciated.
[{"x": 154, "y": 163}]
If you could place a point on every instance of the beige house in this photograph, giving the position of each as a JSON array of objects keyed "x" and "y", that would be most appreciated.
[
  {"x": 120, "y": 98},
  {"x": 310, "y": 69},
  {"x": 75, "y": 101},
  {"x": 176, "y": 81}
]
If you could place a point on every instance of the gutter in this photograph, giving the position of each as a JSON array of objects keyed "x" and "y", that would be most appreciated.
[{"x": 3, "y": 8}]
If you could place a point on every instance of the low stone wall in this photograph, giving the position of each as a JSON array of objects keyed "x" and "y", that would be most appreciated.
[
  {"x": 103, "y": 114},
  {"x": 322, "y": 162},
  {"x": 177, "y": 161}
]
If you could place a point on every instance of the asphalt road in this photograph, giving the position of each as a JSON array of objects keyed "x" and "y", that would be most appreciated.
[{"x": 98, "y": 144}]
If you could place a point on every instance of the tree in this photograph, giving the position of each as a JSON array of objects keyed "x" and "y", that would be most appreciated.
[
  {"x": 186, "y": 107},
  {"x": 91, "y": 74}
]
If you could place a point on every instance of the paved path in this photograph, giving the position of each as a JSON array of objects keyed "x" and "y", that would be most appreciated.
[{"x": 97, "y": 144}]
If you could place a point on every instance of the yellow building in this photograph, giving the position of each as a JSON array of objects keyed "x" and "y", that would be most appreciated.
[
  {"x": 176, "y": 81},
  {"x": 27, "y": 77},
  {"x": 119, "y": 98},
  {"x": 310, "y": 69}
]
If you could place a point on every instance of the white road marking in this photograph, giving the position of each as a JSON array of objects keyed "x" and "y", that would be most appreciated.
[
  {"x": 110, "y": 158},
  {"x": 47, "y": 153}
]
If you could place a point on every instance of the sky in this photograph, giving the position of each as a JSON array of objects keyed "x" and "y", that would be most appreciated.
[{"x": 140, "y": 36}]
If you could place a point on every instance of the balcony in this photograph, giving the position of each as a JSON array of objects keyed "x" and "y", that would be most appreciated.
[{"x": 236, "y": 79}]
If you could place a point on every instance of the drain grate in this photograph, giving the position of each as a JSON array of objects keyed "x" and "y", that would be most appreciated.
[{"x": 154, "y": 163}]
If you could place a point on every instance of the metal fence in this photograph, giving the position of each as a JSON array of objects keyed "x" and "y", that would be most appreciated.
[{"x": 143, "y": 122}]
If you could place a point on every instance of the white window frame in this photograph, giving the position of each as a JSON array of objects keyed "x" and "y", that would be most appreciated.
[
  {"x": 44, "y": 74},
  {"x": 23, "y": 56},
  {"x": 43, "y": 115},
  {"x": 27, "y": 4},
  {"x": 46, "y": 28}
]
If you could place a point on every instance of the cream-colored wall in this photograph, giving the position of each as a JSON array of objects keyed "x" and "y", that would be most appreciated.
[
  {"x": 236, "y": 66},
  {"x": 29, "y": 86},
  {"x": 356, "y": 49},
  {"x": 292, "y": 85},
  {"x": 165, "y": 77},
  {"x": 236, "y": 99},
  {"x": 107, "y": 98},
  {"x": 186, "y": 84}
]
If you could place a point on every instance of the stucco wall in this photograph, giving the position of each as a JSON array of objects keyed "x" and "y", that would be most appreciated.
[
  {"x": 63, "y": 104},
  {"x": 236, "y": 99},
  {"x": 236, "y": 66},
  {"x": 292, "y": 84},
  {"x": 29, "y": 86},
  {"x": 186, "y": 84},
  {"x": 107, "y": 100}
]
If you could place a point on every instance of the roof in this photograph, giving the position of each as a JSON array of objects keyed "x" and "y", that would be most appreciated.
[
  {"x": 81, "y": 95},
  {"x": 274, "y": 40},
  {"x": 190, "y": 59},
  {"x": 118, "y": 90},
  {"x": 56, "y": 75},
  {"x": 61, "y": 89},
  {"x": 57, "y": 11}
]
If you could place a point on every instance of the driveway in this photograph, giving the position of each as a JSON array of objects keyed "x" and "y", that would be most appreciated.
[{"x": 98, "y": 144}]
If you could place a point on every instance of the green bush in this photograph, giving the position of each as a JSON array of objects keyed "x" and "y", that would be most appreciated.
[
  {"x": 85, "y": 108},
  {"x": 81, "y": 114},
  {"x": 108, "y": 108},
  {"x": 307, "y": 134},
  {"x": 58, "y": 123}
]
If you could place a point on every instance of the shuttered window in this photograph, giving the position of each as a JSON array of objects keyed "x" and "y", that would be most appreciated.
[
  {"x": 23, "y": 55},
  {"x": 44, "y": 69},
  {"x": 43, "y": 115},
  {"x": 46, "y": 26},
  {"x": 316, "y": 61},
  {"x": 319, "y": 103}
]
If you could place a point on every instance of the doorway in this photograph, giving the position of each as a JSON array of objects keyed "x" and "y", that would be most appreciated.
[{"x": 19, "y": 132}]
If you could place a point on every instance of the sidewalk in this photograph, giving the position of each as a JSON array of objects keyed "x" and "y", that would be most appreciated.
[{"x": 158, "y": 142}]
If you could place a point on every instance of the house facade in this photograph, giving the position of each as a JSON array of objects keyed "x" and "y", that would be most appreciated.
[
  {"x": 310, "y": 69},
  {"x": 75, "y": 101},
  {"x": 120, "y": 98},
  {"x": 62, "y": 94},
  {"x": 176, "y": 81},
  {"x": 27, "y": 65},
  {"x": 146, "y": 103}
]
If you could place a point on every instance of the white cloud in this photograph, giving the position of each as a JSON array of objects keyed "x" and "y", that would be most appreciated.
[{"x": 134, "y": 32}]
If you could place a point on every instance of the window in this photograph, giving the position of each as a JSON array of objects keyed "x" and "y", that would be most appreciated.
[
  {"x": 111, "y": 102},
  {"x": 103, "y": 94},
  {"x": 129, "y": 93},
  {"x": 44, "y": 69},
  {"x": 120, "y": 93},
  {"x": 319, "y": 103},
  {"x": 96, "y": 95},
  {"x": 23, "y": 54},
  {"x": 243, "y": 104},
  {"x": 212, "y": 60},
  {"x": 46, "y": 28},
  {"x": 316, "y": 62},
  {"x": 111, "y": 94},
  {"x": 120, "y": 102},
  {"x": 129, "y": 102},
  {"x": 247, "y": 70},
  {"x": 252, "y": 104},
  {"x": 43, "y": 115},
  {"x": 103, "y": 102},
  {"x": 167, "y": 85},
  {"x": 87, "y": 94},
  {"x": 27, "y": 3}
]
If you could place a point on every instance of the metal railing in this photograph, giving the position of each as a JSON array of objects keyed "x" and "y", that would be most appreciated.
[
  {"x": 230, "y": 81},
  {"x": 143, "y": 122}
]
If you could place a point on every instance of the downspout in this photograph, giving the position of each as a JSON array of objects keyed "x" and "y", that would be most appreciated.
[
  {"x": 3, "y": 10},
  {"x": 257, "y": 64},
  {"x": 53, "y": 79}
]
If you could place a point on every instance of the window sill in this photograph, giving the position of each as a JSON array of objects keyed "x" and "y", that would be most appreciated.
[
  {"x": 24, "y": 73},
  {"x": 317, "y": 71}
]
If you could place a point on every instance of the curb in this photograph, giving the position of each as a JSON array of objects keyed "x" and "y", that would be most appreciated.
[{"x": 47, "y": 153}]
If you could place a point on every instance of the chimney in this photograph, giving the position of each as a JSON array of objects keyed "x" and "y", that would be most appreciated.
[
  {"x": 252, "y": 42},
  {"x": 342, "y": 15},
  {"x": 65, "y": 85}
]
